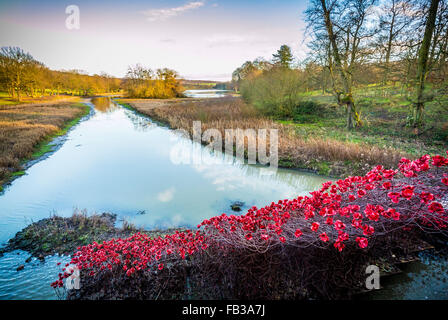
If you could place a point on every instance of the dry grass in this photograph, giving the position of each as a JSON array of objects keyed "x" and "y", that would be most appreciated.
[
  {"x": 5, "y": 99},
  {"x": 327, "y": 156},
  {"x": 23, "y": 127}
]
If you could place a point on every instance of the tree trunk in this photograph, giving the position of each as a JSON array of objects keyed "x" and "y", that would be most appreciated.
[
  {"x": 422, "y": 67},
  {"x": 387, "y": 61},
  {"x": 389, "y": 46},
  {"x": 323, "y": 81},
  {"x": 353, "y": 118}
]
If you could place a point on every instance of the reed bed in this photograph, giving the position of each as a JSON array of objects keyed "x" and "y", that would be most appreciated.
[
  {"x": 23, "y": 127},
  {"x": 298, "y": 151}
]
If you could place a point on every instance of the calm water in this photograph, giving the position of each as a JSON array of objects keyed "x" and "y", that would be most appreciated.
[
  {"x": 118, "y": 161},
  {"x": 206, "y": 93},
  {"x": 121, "y": 162},
  {"x": 423, "y": 280}
]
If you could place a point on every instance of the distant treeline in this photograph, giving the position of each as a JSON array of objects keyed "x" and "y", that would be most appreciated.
[
  {"x": 205, "y": 84},
  {"x": 21, "y": 74},
  {"x": 141, "y": 82}
]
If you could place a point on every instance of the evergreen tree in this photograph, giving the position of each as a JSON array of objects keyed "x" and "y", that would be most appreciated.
[{"x": 283, "y": 57}]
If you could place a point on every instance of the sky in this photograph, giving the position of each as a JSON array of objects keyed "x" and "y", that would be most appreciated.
[{"x": 200, "y": 39}]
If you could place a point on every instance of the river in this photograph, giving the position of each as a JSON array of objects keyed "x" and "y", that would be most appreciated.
[
  {"x": 207, "y": 93},
  {"x": 119, "y": 161}
]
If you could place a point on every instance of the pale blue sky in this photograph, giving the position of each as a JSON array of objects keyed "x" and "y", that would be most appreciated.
[{"x": 201, "y": 39}]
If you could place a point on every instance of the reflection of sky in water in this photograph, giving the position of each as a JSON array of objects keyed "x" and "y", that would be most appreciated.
[
  {"x": 206, "y": 93},
  {"x": 33, "y": 282},
  {"x": 119, "y": 161}
]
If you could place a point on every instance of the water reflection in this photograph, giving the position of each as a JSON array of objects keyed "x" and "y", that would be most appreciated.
[
  {"x": 107, "y": 105},
  {"x": 33, "y": 281},
  {"x": 207, "y": 93},
  {"x": 121, "y": 162},
  {"x": 226, "y": 171},
  {"x": 140, "y": 123},
  {"x": 426, "y": 279},
  {"x": 103, "y": 104}
]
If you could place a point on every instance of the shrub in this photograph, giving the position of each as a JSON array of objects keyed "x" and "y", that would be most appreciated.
[
  {"x": 316, "y": 246},
  {"x": 276, "y": 92},
  {"x": 308, "y": 111},
  {"x": 141, "y": 82}
]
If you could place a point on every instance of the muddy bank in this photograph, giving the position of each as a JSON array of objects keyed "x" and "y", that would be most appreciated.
[{"x": 59, "y": 235}]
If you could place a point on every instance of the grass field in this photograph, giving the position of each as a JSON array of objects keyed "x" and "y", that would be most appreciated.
[
  {"x": 25, "y": 131},
  {"x": 384, "y": 112},
  {"x": 6, "y": 100}
]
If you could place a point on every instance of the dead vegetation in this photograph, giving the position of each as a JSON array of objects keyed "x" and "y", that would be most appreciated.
[
  {"x": 325, "y": 155},
  {"x": 63, "y": 235},
  {"x": 23, "y": 127}
]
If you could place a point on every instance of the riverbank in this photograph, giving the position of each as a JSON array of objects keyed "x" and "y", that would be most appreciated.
[
  {"x": 63, "y": 235},
  {"x": 26, "y": 131},
  {"x": 281, "y": 251},
  {"x": 6, "y": 100},
  {"x": 320, "y": 154}
]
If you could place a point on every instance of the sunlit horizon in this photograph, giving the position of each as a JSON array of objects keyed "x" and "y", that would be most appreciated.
[{"x": 203, "y": 40}]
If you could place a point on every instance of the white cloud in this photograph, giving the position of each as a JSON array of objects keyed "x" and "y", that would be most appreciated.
[
  {"x": 166, "y": 13},
  {"x": 167, "y": 195}
]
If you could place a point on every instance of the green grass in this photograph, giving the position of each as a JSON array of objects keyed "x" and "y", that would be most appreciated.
[
  {"x": 45, "y": 146},
  {"x": 124, "y": 104},
  {"x": 18, "y": 173},
  {"x": 322, "y": 167},
  {"x": 5, "y": 99},
  {"x": 73, "y": 122},
  {"x": 384, "y": 111},
  {"x": 41, "y": 149}
]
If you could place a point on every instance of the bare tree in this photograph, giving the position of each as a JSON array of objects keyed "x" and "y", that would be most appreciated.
[
  {"x": 249, "y": 69},
  {"x": 345, "y": 26},
  {"x": 438, "y": 53},
  {"x": 395, "y": 18},
  {"x": 422, "y": 66}
]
